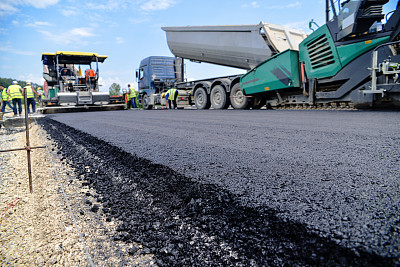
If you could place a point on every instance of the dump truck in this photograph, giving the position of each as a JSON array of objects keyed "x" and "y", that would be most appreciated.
[
  {"x": 350, "y": 62},
  {"x": 72, "y": 84},
  {"x": 253, "y": 45}
]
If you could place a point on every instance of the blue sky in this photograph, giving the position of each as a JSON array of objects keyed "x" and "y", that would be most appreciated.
[{"x": 128, "y": 30}]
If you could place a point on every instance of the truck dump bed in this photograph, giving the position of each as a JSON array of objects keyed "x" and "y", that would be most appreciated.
[{"x": 240, "y": 46}]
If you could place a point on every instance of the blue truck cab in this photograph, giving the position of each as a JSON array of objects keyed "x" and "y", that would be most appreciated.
[{"x": 156, "y": 74}]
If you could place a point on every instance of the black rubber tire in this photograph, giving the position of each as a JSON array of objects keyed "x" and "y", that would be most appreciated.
[
  {"x": 218, "y": 97},
  {"x": 201, "y": 99},
  {"x": 238, "y": 99},
  {"x": 145, "y": 102}
]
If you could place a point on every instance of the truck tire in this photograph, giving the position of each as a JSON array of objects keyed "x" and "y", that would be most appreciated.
[
  {"x": 238, "y": 99},
  {"x": 145, "y": 102},
  {"x": 201, "y": 99},
  {"x": 218, "y": 97}
]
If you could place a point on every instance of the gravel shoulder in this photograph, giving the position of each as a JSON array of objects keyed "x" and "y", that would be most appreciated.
[{"x": 36, "y": 229}]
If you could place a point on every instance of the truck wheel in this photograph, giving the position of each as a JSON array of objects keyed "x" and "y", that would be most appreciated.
[
  {"x": 218, "y": 97},
  {"x": 145, "y": 102},
  {"x": 201, "y": 99},
  {"x": 238, "y": 99}
]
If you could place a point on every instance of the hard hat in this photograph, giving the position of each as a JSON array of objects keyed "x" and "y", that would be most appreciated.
[
  {"x": 39, "y": 88},
  {"x": 28, "y": 83},
  {"x": 124, "y": 91},
  {"x": 14, "y": 82}
]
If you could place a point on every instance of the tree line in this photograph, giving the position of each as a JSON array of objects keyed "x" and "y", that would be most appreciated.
[{"x": 8, "y": 81}]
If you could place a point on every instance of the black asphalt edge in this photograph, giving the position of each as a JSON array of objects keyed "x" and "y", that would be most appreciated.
[{"x": 185, "y": 223}]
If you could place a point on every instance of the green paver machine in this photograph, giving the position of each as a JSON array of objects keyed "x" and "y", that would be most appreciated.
[{"x": 351, "y": 60}]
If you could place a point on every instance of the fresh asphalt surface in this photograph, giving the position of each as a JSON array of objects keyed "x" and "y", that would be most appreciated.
[{"x": 337, "y": 172}]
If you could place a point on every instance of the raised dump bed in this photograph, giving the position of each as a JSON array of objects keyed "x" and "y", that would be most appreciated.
[{"x": 239, "y": 46}]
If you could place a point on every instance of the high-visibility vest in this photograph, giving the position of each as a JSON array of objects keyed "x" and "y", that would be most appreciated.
[
  {"x": 172, "y": 94},
  {"x": 4, "y": 95},
  {"x": 133, "y": 93},
  {"x": 14, "y": 91},
  {"x": 29, "y": 92},
  {"x": 89, "y": 73}
]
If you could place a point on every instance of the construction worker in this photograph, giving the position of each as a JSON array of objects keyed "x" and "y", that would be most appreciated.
[
  {"x": 126, "y": 97},
  {"x": 41, "y": 93},
  {"x": 15, "y": 92},
  {"x": 30, "y": 97},
  {"x": 5, "y": 97},
  {"x": 172, "y": 97},
  {"x": 132, "y": 95},
  {"x": 90, "y": 76}
]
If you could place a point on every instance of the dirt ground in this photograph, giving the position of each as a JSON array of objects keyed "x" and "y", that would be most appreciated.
[{"x": 37, "y": 229}]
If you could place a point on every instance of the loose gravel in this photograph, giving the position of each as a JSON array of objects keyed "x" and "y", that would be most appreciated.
[
  {"x": 243, "y": 188},
  {"x": 36, "y": 229}
]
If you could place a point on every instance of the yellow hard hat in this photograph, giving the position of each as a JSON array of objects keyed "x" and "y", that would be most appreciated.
[
  {"x": 39, "y": 88},
  {"x": 28, "y": 83}
]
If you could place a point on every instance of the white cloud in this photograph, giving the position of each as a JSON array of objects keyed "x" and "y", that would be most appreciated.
[
  {"x": 3, "y": 31},
  {"x": 298, "y": 25},
  {"x": 8, "y": 7},
  {"x": 138, "y": 20},
  {"x": 296, "y": 4},
  {"x": 69, "y": 12},
  {"x": 253, "y": 4},
  {"x": 108, "y": 5},
  {"x": 39, "y": 24},
  {"x": 82, "y": 32},
  {"x": 154, "y": 5},
  {"x": 39, "y": 3},
  {"x": 15, "y": 51},
  {"x": 120, "y": 40},
  {"x": 69, "y": 37},
  {"x": 31, "y": 78}
]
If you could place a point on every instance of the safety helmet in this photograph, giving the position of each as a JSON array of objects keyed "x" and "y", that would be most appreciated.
[
  {"x": 124, "y": 91},
  {"x": 14, "y": 82},
  {"x": 28, "y": 83},
  {"x": 39, "y": 88}
]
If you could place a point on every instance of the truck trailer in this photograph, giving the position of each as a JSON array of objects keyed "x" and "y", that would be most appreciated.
[
  {"x": 350, "y": 62},
  {"x": 239, "y": 46}
]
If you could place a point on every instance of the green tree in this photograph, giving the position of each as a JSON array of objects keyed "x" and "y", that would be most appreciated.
[
  {"x": 115, "y": 89},
  {"x": 7, "y": 82}
]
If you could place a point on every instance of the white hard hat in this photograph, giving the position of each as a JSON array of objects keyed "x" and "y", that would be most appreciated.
[
  {"x": 28, "y": 83},
  {"x": 14, "y": 82}
]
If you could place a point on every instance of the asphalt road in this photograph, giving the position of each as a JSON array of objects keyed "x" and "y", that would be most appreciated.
[{"x": 336, "y": 172}]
